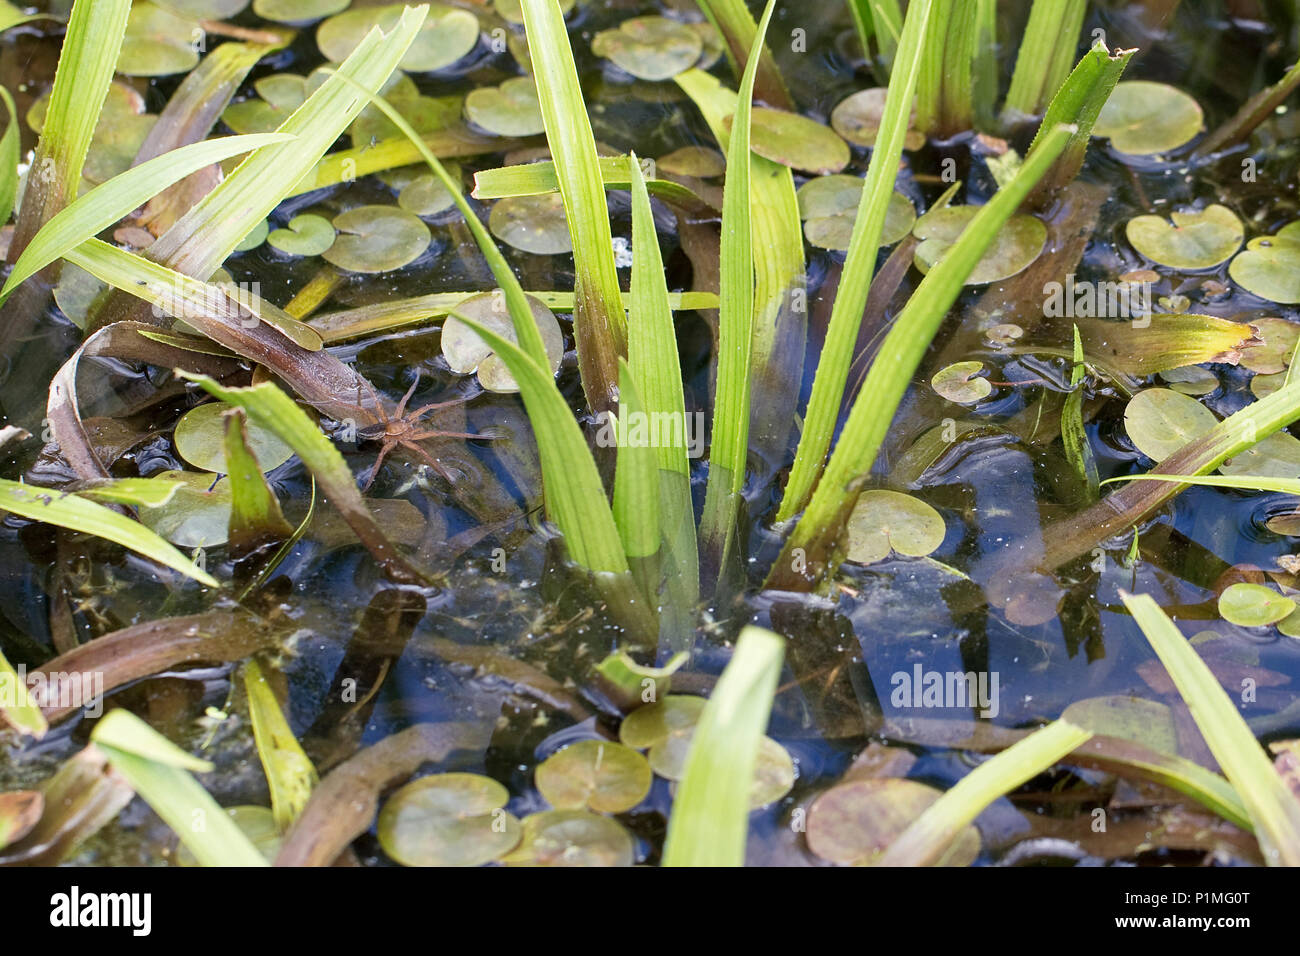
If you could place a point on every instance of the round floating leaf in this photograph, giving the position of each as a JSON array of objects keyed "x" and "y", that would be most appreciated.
[
  {"x": 425, "y": 114},
  {"x": 1253, "y": 605},
  {"x": 1195, "y": 239},
  {"x": 447, "y": 35},
  {"x": 297, "y": 11},
  {"x": 256, "y": 823},
  {"x": 513, "y": 11},
  {"x": 1285, "y": 524},
  {"x": 1142, "y": 117},
  {"x": 465, "y": 352},
  {"x": 1159, "y": 421},
  {"x": 425, "y": 195},
  {"x": 511, "y": 109},
  {"x": 648, "y": 725},
  {"x": 1277, "y": 456},
  {"x": 572, "y": 838},
  {"x": 1191, "y": 380},
  {"x": 277, "y": 96},
  {"x": 1004, "y": 334},
  {"x": 962, "y": 383},
  {"x": 884, "y": 521},
  {"x": 377, "y": 239},
  {"x": 159, "y": 42},
  {"x": 1262, "y": 386},
  {"x": 204, "y": 9},
  {"x": 698, "y": 161},
  {"x": 858, "y": 117},
  {"x": 533, "y": 224},
  {"x": 448, "y": 819},
  {"x": 1147, "y": 722},
  {"x": 193, "y": 517},
  {"x": 201, "y": 434},
  {"x": 306, "y": 235},
  {"x": 773, "y": 769},
  {"x": 1270, "y": 266},
  {"x": 254, "y": 238},
  {"x": 853, "y": 823},
  {"x": 1278, "y": 339},
  {"x": 594, "y": 774},
  {"x": 829, "y": 206},
  {"x": 650, "y": 48},
  {"x": 796, "y": 141},
  {"x": 1017, "y": 245}
]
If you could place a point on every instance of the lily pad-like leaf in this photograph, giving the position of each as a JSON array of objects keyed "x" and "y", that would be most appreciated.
[
  {"x": 422, "y": 193},
  {"x": 651, "y": 724},
  {"x": 448, "y": 33},
  {"x": 252, "y": 240},
  {"x": 650, "y": 48},
  {"x": 1277, "y": 456},
  {"x": 857, "y": 118},
  {"x": 1262, "y": 386},
  {"x": 511, "y": 109},
  {"x": 1142, "y": 117},
  {"x": 465, "y": 352},
  {"x": 1253, "y": 605},
  {"x": 1159, "y": 421},
  {"x": 306, "y": 235},
  {"x": 596, "y": 775},
  {"x": 884, "y": 521},
  {"x": 425, "y": 114},
  {"x": 1277, "y": 341},
  {"x": 854, "y": 823},
  {"x": 201, "y": 435},
  {"x": 1017, "y": 245},
  {"x": 278, "y": 96},
  {"x": 1196, "y": 239},
  {"x": 572, "y": 838},
  {"x": 298, "y": 11},
  {"x": 1191, "y": 380},
  {"x": 533, "y": 224},
  {"x": 829, "y": 207},
  {"x": 1270, "y": 266},
  {"x": 204, "y": 9},
  {"x": 794, "y": 140},
  {"x": 962, "y": 383},
  {"x": 159, "y": 42},
  {"x": 773, "y": 767},
  {"x": 513, "y": 12},
  {"x": 448, "y": 819},
  {"x": 256, "y": 823},
  {"x": 377, "y": 239},
  {"x": 701, "y": 162},
  {"x": 197, "y": 515},
  {"x": 1147, "y": 722}
]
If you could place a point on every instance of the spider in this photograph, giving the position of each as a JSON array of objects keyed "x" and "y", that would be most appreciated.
[{"x": 403, "y": 430}]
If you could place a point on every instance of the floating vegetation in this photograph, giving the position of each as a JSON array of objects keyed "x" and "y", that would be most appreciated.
[{"x": 532, "y": 433}]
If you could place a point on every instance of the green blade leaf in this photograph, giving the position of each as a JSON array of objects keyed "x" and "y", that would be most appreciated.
[
  {"x": 79, "y": 514},
  {"x": 730, "y": 450},
  {"x": 107, "y": 203},
  {"x": 636, "y": 486},
  {"x": 923, "y": 843},
  {"x": 1046, "y": 54},
  {"x": 859, "y": 266},
  {"x": 9, "y": 159},
  {"x": 1286, "y": 486},
  {"x": 16, "y": 705},
  {"x": 599, "y": 325},
  {"x": 1077, "y": 450},
  {"x": 86, "y": 66},
  {"x": 288, "y": 770},
  {"x": 1273, "y": 808},
  {"x": 255, "y": 516},
  {"x": 150, "y": 763},
  {"x": 710, "y": 816}
]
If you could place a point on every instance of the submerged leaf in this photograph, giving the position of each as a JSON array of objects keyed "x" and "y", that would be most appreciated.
[
  {"x": 1142, "y": 117},
  {"x": 1160, "y": 421},
  {"x": 794, "y": 140},
  {"x": 1197, "y": 239},
  {"x": 533, "y": 224},
  {"x": 1253, "y": 605},
  {"x": 773, "y": 767},
  {"x": 572, "y": 838},
  {"x": 829, "y": 205},
  {"x": 159, "y": 42},
  {"x": 858, "y": 119},
  {"x": 254, "y": 822},
  {"x": 297, "y": 11},
  {"x": 596, "y": 775},
  {"x": 962, "y": 383},
  {"x": 197, "y": 515},
  {"x": 447, "y": 35},
  {"x": 511, "y": 109},
  {"x": 448, "y": 819},
  {"x": 306, "y": 235},
  {"x": 854, "y": 823},
  {"x": 651, "y": 724},
  {"x": 884, "y": 521},
  {"x": 1277, "y": 341},
  {"x": 200, "y": 439}
]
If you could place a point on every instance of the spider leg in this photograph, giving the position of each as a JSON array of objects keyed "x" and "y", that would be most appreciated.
[
  {"x": 401, "y": 406},
  {"x": 428, "y": 408},
  {"x": 379, "y": 460},
  {"x": 420, "y": 436},
  {"x": 428, "y": 459}
]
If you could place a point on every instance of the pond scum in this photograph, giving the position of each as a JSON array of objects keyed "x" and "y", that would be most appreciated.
[{"x": 560, "y": 432}]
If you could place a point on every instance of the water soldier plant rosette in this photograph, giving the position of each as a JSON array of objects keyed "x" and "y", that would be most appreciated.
[{"x": 686, "y": 433}]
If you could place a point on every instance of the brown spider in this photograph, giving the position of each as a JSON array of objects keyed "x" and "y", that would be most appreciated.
[{"x": 403, "y": 430}]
